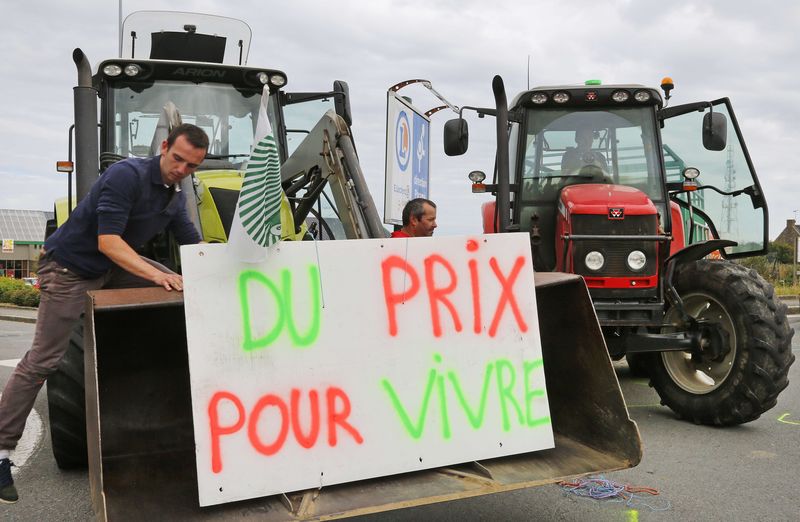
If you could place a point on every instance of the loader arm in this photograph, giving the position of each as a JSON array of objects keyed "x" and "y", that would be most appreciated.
[{"x": 327, "y": 156}]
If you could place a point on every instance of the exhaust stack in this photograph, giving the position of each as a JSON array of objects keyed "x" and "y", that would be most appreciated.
[{"x": 87, "y": 166}]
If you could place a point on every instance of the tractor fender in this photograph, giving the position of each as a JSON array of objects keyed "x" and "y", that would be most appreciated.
[
  {"x": 691, "y": 253},
  {"x": 697, "y": 251}
]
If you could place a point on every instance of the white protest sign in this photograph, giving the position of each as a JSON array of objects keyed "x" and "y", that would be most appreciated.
[
  {"x": 338, "y": 361},
  {"x": 407, "y": 158}
]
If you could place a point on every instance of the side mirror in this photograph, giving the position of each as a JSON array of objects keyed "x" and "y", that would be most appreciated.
[
  {"x": 715, "y": 131},
  {"x": 456, "y": 137},
  {"x": 341, "y": 102}
]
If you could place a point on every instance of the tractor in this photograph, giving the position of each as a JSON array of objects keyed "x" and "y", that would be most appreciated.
[{"x": 651, "y": 204}]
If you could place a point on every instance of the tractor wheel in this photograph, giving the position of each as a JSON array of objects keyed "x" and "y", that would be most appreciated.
[
  {"x": 66, "y": 401},
  {"x": 638, "y": 364},
  {"x": 743, "y": 380}
]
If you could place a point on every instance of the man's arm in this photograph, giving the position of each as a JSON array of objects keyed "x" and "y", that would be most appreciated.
[
  {"x": 118, "y": 251},
  {"x": 182, "y": 227}
]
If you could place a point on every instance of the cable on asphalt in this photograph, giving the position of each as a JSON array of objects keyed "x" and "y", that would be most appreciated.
[{"x": 602, "y": 489}]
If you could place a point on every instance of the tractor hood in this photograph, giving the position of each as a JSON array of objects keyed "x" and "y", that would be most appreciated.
[{"x": 615, "y": 200}]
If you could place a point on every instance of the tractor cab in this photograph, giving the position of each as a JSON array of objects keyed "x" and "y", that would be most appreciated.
[
  {"x": 605, "y": 171},
  {"x": 584, "y": 140},
  {"x": 191, "y": 68},
  {"x": 187, "y": 66}
]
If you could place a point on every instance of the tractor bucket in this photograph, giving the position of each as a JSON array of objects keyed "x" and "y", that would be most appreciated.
[{"x": 141, "y": 443}]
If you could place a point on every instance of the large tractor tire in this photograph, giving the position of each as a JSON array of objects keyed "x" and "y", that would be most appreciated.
[
  {"x": 638, "y": 365},
  {"x": 66, "y": 400},
  {"x": 744, "y": 379}
]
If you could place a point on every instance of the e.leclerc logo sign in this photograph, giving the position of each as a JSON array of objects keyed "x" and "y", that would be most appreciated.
[{"x": 402, "y": 139}]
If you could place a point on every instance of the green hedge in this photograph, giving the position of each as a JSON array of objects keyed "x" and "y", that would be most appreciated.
[{"x": 15, "y": 291}]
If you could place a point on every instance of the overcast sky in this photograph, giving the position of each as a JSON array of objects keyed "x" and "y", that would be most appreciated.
[{"x": 745, "y": 50}]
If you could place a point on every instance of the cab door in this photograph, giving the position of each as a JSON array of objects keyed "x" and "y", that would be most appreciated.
[{"x": 729, "y": 202}]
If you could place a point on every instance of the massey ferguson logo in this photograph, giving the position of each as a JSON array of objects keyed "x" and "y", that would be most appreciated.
[
  {"x": 616, "y": 213},
  {"x": 197, "y": 72}
]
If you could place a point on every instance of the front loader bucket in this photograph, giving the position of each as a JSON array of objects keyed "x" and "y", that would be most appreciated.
[{"x": 141, "y": 443}]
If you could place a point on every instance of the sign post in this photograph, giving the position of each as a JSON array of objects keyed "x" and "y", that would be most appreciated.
[{"x": 407, "y": 146}]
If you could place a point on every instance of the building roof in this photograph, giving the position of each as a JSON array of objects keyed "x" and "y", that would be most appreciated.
[{"x": 25, "y": 226}]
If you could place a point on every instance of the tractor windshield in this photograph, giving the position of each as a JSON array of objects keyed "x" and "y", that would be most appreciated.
[
  {"x": 227, "y": 114},
  {"x": 568, "y": 146}
]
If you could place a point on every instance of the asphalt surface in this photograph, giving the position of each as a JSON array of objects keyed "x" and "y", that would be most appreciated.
[{"x": 701, "y": 473}]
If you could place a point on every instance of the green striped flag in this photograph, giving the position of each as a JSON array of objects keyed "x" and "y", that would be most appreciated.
[{"x": 257, "y": 222}]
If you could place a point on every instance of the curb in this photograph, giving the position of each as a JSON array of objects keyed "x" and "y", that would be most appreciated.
[
  {"x": 792, "y": 303},
  {"x": 17, "y": 319},
  {"x": 19, "y": 314}
]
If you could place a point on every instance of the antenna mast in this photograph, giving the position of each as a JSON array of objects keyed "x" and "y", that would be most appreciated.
[{"x": 529, "y": 72}]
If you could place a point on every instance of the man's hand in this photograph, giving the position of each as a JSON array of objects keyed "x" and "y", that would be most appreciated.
[{"x": 169, "y": 281}]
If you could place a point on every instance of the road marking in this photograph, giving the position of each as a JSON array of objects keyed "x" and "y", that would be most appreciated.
[
  {"x": 11, "y": 363},
  {"x": 782, "y": 419},
  {"x": 29, "y": 441},
  {"x": 760, "y": 454}
]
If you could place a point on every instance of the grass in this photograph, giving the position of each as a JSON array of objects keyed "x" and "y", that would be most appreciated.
[{"x": 787, "y": 289}]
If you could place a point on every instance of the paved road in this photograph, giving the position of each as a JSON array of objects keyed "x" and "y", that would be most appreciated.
[{"x": 742, "y": 473}]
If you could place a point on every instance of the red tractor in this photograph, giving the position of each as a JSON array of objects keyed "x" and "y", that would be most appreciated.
[{"x": 606, "y": 181}]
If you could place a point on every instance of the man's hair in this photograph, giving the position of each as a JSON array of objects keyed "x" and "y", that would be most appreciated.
[
  {"x": 196, "y": 136},
  {"x": 416, "y": 208}
]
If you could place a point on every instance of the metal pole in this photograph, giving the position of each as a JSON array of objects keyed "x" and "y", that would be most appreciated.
[
  {"x": 119, "y": 16},
  {"x": 69, "y": 175},
  {"x": 796, "y": 250}
]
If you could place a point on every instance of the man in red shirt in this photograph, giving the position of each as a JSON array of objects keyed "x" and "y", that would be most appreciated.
[{"x": 419, "y": 219}]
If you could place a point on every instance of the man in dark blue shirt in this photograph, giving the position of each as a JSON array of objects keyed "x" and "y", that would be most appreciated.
[{"x": 133, "y": 200}]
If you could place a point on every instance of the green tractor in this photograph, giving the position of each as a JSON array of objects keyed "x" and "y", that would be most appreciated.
[{"x": 184, "y": 80}]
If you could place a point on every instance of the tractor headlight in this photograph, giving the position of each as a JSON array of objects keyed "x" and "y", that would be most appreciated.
[
  {"x": 132, "y": 69},
  {"x": 539, "y": 98},
  {"x": 594, "y": 260},
  {"x": 476, "y": 176},
  {"x": 561, "y": 97},
  {"x": 620, "y": 96},
  {"x": 636, "y": 260},
  {"x": 112, "y": 69},
  {"x": 641, "y": 96},
  {"x": 691, "y": 172},
  {"x": 263, "y": 78},
  {"x": 277, "y": 80}
]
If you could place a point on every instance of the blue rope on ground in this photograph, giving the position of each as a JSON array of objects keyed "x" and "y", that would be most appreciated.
[{"x": 602, "y": 489}]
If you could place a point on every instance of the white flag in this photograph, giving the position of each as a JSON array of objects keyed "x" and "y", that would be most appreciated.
[{"x": 257, "y": 220}]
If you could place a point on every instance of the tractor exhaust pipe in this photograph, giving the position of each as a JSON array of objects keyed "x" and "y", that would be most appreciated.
[
  {"x": 503, "y": 197},
  {"x": 87, "y": 166}
]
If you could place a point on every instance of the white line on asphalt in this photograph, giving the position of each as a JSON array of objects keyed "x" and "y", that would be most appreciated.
[
  {"x": 29, "y": 441},
  {"x": 11, "y": 363}
]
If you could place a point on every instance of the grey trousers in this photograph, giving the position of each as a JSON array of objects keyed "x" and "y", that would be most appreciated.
[{"x": 62, "y": 300}]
